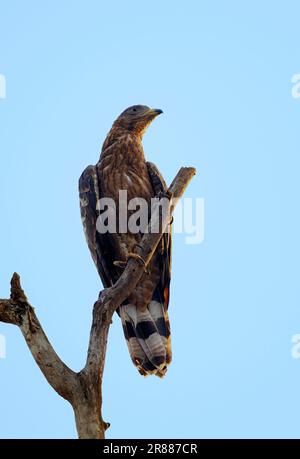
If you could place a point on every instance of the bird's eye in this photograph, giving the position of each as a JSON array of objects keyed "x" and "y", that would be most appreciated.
[{"x": 134, "y": 109}]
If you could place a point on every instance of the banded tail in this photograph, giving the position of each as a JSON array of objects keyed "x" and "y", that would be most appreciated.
[{"x": 148, "y": 337}]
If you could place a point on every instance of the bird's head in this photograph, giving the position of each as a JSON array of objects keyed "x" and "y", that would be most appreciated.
[{"x": 137, "y": 118}]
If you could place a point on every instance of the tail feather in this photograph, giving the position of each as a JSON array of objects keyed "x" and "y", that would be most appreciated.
[
  {"x": 148, "y": 337},
  {"x": 161, "y": 318}
]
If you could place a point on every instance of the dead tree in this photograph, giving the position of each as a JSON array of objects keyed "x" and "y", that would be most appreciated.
[{"x": 84, "y": 389}]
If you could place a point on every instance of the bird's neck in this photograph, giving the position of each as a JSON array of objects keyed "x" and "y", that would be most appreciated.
[{"x": 121, "y": 141}]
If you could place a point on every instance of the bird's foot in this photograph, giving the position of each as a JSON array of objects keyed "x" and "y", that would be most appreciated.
[
  {"x": 120, "y": 264},
  {"x": 138, "y": 257},
  {"x": 135, "y": 256}
]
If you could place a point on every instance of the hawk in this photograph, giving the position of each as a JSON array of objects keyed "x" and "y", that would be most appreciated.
[{"x": 122, "y": 166}]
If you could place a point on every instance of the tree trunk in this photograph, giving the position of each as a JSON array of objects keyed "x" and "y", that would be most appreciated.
[{"x": 88, "y": 422}]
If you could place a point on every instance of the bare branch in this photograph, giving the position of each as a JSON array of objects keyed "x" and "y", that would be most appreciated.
[
  {"x": 84, "y": 389},
  {"x": 111, "y": 298},
  {"x": 19, "y": 312}
]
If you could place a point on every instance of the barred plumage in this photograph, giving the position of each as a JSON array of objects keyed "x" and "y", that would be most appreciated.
[{"x": 148, "y": 337}]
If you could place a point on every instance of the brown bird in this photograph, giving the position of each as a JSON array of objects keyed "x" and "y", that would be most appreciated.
[{"x": 122, "y": 166}]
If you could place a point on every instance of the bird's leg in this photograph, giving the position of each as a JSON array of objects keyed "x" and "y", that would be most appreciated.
[
  {"x": 146, "y": 270},
  {"x": 135, "y": 256}
]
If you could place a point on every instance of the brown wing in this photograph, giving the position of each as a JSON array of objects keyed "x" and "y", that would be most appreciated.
[
  {"x": 164, "y": 254},
  {"x": 100, "y": 245}
]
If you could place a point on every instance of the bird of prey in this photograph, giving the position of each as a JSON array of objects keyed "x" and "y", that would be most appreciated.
[{"x": 122, "y": 166}]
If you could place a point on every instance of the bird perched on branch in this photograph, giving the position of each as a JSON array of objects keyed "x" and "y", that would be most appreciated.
[{"x": 122, "y": 166}]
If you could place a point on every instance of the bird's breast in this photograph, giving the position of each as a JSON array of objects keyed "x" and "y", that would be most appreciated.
[{"x": 123, "y": 167}]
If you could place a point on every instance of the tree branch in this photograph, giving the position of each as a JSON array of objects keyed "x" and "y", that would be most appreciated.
[
  {"x": 18, "y": 311},
  {"x": 83, "y": 389},
  {"x": 111, "y": 298}
]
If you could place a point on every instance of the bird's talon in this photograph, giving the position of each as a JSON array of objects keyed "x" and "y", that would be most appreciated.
[
  {"x": 120, "y": 264},
  {"x": 136, "y": 256}
]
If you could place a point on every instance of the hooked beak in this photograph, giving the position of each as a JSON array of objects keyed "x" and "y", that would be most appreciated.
[{"x": 155, "y": 111}]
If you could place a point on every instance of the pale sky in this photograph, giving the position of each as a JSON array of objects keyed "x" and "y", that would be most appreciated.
[{"x": 221, "y": 72}]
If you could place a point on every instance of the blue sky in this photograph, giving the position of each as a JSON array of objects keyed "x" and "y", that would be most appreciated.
[{"x": 221, "y": 71}]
